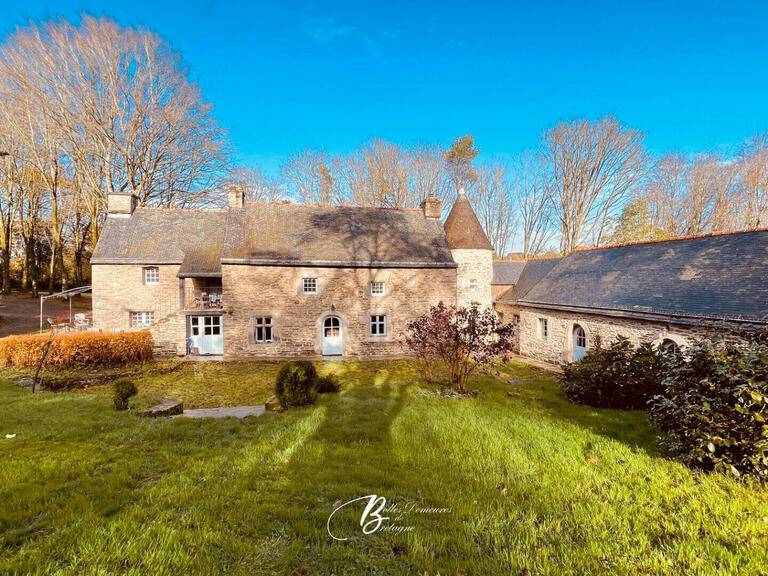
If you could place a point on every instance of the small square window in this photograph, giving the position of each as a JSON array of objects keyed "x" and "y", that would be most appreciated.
[
  {"x": 516, "y": 319},
  {"x": 378, "y": 325},
  {"x": 472, "y": 284},
  {"x": 377, "y": 288},
  {"x": 309, "y": 286},
  {"x": 139, "y": 319},
  {"x": 262, "y": 329},
  {"x": 151, "y": 275},
  {"x": 543, "y": 328}
]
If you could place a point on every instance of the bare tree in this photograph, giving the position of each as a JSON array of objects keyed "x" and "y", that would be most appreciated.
[
  {"x": 493, "y": 200},
  {"x": 590, "y": 168},
  {"x": 257, "y": 185},
  {"x": 376, "y": 175},
  {"x": 99, "y": 108},
  {"x": 533, "y": 204},
  {"x": 310, "y": 177},
  {"x": 753, "y": 166},
  {"x": 428, "y": 176}
]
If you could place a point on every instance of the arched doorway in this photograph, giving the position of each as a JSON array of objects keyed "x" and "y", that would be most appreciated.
[
  {"x": 669, "y": 347},
  {"x": 579, "y": 343},
  {"x": 332, "y": 336}
]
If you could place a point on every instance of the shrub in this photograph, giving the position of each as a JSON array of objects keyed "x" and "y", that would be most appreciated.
[
  {"x": 296, "y": 384},
  {"x": 124, "y": 389},
  {"x": 327, "y": 384},
  {"x": 619, "y": 376},
  {"x": 76, "y": 349},
  {"x": 462, "y": 339},
  {"x": 714, "y": 407}
]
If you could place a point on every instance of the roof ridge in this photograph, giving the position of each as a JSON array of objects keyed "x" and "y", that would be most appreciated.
[
  {"x": 164, "y": 208},
  {"x": 673, "y": 239},
  {"x": 304, "y": 205}
]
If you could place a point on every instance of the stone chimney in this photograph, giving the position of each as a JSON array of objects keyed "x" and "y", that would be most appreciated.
[
  {"x": 235, "y": 197},
  {"x": 121, "y": 204},
  {"x": 432, "y": 206}
]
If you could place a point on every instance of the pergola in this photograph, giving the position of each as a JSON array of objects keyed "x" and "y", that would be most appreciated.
[{"x": 65, "y": 294}]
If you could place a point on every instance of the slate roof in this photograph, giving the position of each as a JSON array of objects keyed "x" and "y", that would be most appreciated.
[
  {"x": 463, "y": 229},
  {"x": 723, "y": 276},
  {"x": 506, "y": 272},
  {"x": 532, "y": 273},
  {"x": 159, "y": 236},
  {"x": 272, "y": 234}
]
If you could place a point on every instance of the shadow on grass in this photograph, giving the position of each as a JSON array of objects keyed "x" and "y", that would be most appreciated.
[{"x": 630, "y": 427}]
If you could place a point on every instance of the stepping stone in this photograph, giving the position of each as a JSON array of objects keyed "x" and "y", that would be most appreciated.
[
  {"x": 224, "y": 412},
  {"x": 168, "y": 407}
]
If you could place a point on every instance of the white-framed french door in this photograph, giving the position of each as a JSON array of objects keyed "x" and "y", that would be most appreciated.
[
  {"x": 206, "y": 335},
  {"x": 332, "y": 336}
]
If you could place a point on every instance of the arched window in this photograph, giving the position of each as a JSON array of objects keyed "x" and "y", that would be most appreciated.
[
  {"x": 331, "y": 326},
  {"x": 669, "y": 347},
  {"x": 579, "y": 343}
]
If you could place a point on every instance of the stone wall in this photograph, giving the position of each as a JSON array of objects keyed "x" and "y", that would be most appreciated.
[
  {"x": 499, "y": 289},
  {"x": 255, "y": 291},
  {"x": 473, "y": 265},
  {"x": 558, "y": 346},
  {"x": 507, "y": 314},
  {"x": 119, "y": 290}
]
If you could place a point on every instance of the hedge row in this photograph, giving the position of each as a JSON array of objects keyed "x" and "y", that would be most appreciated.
[{"x": 76, "y": 349}]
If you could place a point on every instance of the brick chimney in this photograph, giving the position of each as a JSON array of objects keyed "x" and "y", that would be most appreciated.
[
  {"x": 235, "y": 197},
  {"x": 121, "y": 204},
  {"x": 432, "y": 206}
]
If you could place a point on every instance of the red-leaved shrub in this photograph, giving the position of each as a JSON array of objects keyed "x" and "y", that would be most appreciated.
[{"x": 76, "y": 349}]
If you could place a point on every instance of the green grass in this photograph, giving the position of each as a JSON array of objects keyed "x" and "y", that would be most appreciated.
[{"x": 535, "y": 485}]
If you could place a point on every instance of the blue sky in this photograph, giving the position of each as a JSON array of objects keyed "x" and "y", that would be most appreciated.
[{"x": 286, "y": 76}]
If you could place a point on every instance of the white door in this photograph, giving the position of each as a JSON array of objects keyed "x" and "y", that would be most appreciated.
[
  {"x": 579, "y": 343},
  {"x": 205, "y": 335},
  {"x": 332, "y": 336}
]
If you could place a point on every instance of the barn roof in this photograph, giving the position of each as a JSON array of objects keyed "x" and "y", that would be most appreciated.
[
  {"x": 720, "y": 276},
  {"x": 506, "y": 272}
]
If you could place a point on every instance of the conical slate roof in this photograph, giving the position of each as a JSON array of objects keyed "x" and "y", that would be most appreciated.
[{"x": 463, "y": 229}]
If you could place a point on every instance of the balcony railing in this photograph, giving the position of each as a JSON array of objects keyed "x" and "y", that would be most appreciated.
[{"x": 208, "y": 299}]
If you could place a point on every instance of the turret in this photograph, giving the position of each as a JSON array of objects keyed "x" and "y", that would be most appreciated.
[{"x": 472, "y": 251}]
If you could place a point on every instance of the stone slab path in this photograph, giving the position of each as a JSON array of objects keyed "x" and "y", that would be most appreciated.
[{"x": 224, "y": 412}]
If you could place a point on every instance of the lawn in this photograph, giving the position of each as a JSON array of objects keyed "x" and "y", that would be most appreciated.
[{"x": 533, "y": 484}]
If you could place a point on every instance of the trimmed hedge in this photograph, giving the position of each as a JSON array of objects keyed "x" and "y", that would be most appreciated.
[{"x": 76, "y": 349}]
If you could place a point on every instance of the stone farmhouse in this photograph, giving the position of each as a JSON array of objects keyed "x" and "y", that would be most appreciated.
[
  {"x": 284, "y": 280},
  {"x": 665, "y": 292}
]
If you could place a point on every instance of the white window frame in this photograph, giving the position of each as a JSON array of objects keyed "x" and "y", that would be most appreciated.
[
  {"x": 543, "y": 328},
  {"x": 378, "y": 322},
  {"x": 266, "y": 323},
  {"x": 309, "y": 285},
  {"x": 138, "y": 319},
  {"x": 150, "y": 275},
  {"x": 473, "y": 284},
  {"x": 578, "y": 333},
  {"x": 381, "y": 288}
]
